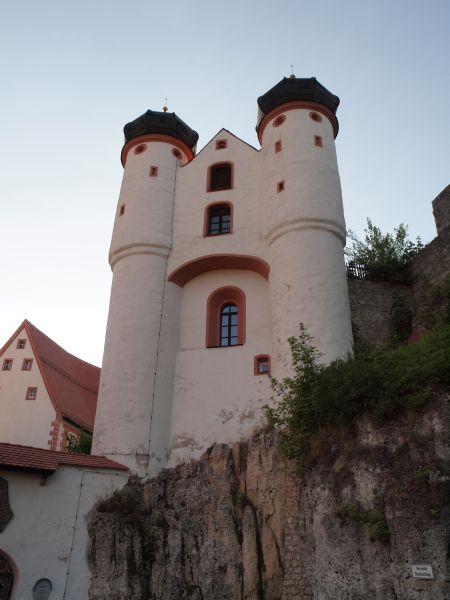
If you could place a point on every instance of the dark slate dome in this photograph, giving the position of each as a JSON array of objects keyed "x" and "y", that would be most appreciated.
[
  {"x": 290, "y": 90},
  {"x": 164, "y": 123}
]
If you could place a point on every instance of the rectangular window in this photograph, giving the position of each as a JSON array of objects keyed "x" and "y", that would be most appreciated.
[
  {"x": 262, "y": 365},
  {"x": 221, "y": 144},
  {"x": 278, "y": 147},
  {"x": 280, "y": 187},
  {"x": 31, "y": 393},
  {"x": 21, "y": 344},
  {"x": 27, "y": 364},
  {"x": 153, "y": 171},
  {"x": 122, "y": 210},
  {"x": 318, "y": 141},
  {"x": 7, "y": 364}
]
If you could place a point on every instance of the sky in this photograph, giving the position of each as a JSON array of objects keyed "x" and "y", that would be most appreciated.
[{"x": 73, "y": 73}]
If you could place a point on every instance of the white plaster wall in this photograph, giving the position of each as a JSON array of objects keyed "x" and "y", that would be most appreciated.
[
  {"x": 140, "y": 244},
  {"x": 192, "y": 200},
  {"x": 304, "y": 231},
  {"x": 26, "y": 422},
  {"x": 47, "y": 536},
  {"x": 217, "y": 396}
]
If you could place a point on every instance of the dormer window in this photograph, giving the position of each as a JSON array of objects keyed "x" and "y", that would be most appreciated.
[
  {"x": 218, "y": 219},
  {"x": 220, "y": 177}
]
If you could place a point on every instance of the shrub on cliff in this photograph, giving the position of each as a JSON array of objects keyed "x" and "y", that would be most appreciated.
[
  {"x": 378, "y": 381},
  {"x": 385, "y": 256}
]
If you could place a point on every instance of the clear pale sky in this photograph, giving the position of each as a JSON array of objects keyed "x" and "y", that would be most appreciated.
[{"x": 73, "y": 73}]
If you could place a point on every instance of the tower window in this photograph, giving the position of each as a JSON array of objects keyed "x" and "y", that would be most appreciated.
[
  {"x": 318, "y": 141},
  {"x": 229, "y": 319},
  {"x": 21, "y": 344},
  {"x": 31, "y": 393},
  {"x": 218, "y": 219},
  {"x": 177, "y": 153},
  {"x": 220, "y": 177},
  {"x": 280, "y": 186},
  {"x": 7, "y": 364},
  {"x": 225, "y": 318},
  {"x": 315, "y": 117},
  {"x": 262, "y": 364},
  {"x": 122, "y": 210},
  {"x": 140, "y": 149},
  {"x": 279, "y": 120},
  {"x": 153, "y": 171},
  {"x": 221, "y": 144},
  {"x": 278, "y": 147},
  {"x": 27, "y": 364}
]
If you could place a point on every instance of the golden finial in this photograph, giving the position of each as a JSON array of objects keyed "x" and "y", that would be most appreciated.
[
  {"x": 165, "y": 109},
  {"x": 292, "y": 76}
]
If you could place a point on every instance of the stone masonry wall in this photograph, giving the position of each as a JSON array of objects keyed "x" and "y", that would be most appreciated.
[{"x": 372, "y": 303}]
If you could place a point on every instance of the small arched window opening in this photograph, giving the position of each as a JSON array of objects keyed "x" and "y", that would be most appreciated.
[
  {"x": 6, "y": 578},
  {"x": 225, "y": 319},
  {"x": 218, "y": 219},
  {"x": 220, "y": 177}
]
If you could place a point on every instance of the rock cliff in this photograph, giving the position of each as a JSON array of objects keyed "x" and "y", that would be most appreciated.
[{"x": 244, "y": 522}]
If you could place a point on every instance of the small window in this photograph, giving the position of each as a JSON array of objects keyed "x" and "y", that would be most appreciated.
[
  {"x": 21, "y": 344},
  {"x": 177, "y": 153},
  {"x": 153, "y": 171},
  {"x": 315, "y": 117},
  {"x": 140, "y": 149},
  {"x": 229, "y": 321},
  {"x": 278, "y": 147},
  {"x": 280, "y": 186},
  {"x": 122, "y": 210},
  {"x": 219, "y": 219},
  {"x": 31, "y": 393},
  {"x": 27, "y": 364},
  {"x": 7, "y": 364},
  {"x": 318, "y": 141},
  {"x": 220, "y": 177},
  {"x": 262, "y": 364},
  {"x": 221, "y": 144},
  {"x": 279, "y": 120}
]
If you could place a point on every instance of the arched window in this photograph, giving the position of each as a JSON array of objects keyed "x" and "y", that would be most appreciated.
[
  {"x": 6, "y": 579},
  {"x": 220, "y": 177},
  {"x": 218, "y": 219},
  {"x": 225, "y": 318},
  {"x": 229, "y": 320}
]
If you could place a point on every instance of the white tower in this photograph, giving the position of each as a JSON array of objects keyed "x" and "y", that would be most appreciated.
[
  {"x": 133, "y": 414},
  {"x": 303, "y": 220}
]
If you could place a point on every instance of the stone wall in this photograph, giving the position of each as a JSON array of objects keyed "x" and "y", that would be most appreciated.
[
  {"x": 244, "y": 523},
  {"x": 372, "y": 304}
]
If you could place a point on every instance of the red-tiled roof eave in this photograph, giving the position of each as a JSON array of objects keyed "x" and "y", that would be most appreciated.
[{"x": 27, "y": 458}]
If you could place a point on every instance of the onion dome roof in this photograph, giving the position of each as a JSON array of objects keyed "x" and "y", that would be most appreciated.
[{"x": 163, "y": 123}]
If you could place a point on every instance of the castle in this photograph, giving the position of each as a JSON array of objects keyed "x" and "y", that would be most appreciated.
[{"x": 217, "y": 257}]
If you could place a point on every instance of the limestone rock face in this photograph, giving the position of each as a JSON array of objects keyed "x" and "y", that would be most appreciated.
[{"x": 245, "y": 523}]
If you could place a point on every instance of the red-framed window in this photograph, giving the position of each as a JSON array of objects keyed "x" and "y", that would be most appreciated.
[
  {"x": 218, "y": 219},
  {"x": 31, "y": 393},
  {"x": 225, "y": 318},
  {"x": 27, "y": 364},
  {"x": 262, "y": 364},
  {"x": 21, "y": 343},
  {"x": 7, "y": 364},
  {"x": 220, "y": 177}
]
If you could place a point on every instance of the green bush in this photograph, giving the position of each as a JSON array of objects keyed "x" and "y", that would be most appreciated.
[
  {"x": 80, "y": 444},
  {"x": 378, "y": 381},
  {"x": 386, "y": 256}
]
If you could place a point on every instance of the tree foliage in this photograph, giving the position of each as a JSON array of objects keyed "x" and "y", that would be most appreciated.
[
  {"x": 377, "y": 381},
  {"x": 385, "y": 255},
  {"x": 79, "y": 444}
]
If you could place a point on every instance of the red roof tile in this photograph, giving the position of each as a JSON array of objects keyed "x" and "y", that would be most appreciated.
[
  {"x": 72, "y": 383},
  {"x": 27, "y": 458}
]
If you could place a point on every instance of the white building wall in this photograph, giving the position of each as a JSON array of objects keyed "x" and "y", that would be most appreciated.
[
  {"x": 47, "y": 536},
  {"x": 26, "y": 422},
  {"x": 192, "y": 198},
  {"x": 217, "y": 397}
]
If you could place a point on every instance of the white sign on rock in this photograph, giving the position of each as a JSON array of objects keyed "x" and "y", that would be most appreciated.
[{"x": 422, "y": 571}]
